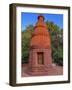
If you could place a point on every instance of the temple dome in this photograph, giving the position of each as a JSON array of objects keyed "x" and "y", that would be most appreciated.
[{"x": 40, "y": 36}]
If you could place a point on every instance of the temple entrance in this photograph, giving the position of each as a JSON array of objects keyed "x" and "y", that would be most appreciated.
[{"x": 40, "y": 58}]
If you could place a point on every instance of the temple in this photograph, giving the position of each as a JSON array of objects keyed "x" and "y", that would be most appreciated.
[{"x": 40, "y": 58}]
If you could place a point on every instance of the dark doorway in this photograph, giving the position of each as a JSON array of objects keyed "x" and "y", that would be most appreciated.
[{"x": 40, "y": 58}]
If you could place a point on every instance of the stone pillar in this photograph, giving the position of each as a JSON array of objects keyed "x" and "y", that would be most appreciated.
[{"x": 47, "y": 57}]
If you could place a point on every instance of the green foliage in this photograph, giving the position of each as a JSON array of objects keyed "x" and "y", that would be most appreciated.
[
  {"x": 26, "y": 36},
  {"x": 56, "y": 41}
]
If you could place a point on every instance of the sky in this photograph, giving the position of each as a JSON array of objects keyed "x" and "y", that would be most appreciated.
[{"x": 31, "y": 19}]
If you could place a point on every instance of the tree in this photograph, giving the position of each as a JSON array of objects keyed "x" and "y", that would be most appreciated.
[
  {"x": 57, "y": 42},
  {"x": 26, "y": 36}
]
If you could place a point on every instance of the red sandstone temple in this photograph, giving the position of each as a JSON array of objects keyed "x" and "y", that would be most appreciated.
[
  {"x": 40, "y": 59},
  {"x": 40, "y": 48}
]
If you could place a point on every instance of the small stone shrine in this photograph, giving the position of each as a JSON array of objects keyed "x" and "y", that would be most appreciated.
[{"x": 40, "y": 59}]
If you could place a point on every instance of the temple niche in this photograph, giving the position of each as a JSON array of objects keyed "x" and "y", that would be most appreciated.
[{"x": 40, "y": 58}]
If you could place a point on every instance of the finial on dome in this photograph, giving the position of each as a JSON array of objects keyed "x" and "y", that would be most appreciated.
[{"x": 41, "y": 16}]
